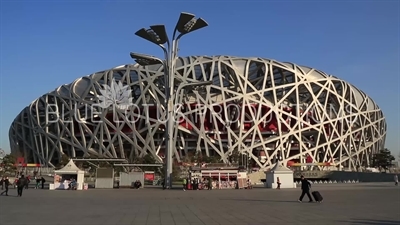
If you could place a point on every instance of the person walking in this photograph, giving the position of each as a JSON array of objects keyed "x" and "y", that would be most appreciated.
[
  {"x": 249, "y": 185},
  {"x": 37, "y": 182},
  {"x": 396, "y": 180},
  {"x": 42, "y": 180},
  {"x": 6, "y": 183},
  {"x": 184, "y": 184},
  {"x": 305, "y": 189},
  {"x": 278, "y": 182},
  {"x": 196, "y": 183},
  {"x": 163, "y": 184},
  {"x": 20, "y": 185}
]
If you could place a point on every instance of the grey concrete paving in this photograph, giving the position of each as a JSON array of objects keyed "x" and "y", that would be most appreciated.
[{"x": 343, "y": 204}]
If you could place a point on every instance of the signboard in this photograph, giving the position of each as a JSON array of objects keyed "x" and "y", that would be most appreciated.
[
  {"x": 311, "y": 174},
  {"x": 149, "y": 176},
  {"x": 294, "y": 164},
  {"x": 242, "y": 183}
]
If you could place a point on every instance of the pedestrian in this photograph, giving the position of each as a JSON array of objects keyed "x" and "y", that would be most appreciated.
[
  {"x": 396, "y": 180},
  {"x": 28, "y": 180},
  {"x": 196, "y": 184},
  {"x": 249, "y": 185},
  {"x": 305, "y": 189},
  {"x": 20, "y": 185},
  {"x": 278, "y": 182},
  {"x": 6, "y": 183},
  {"x": 184, "y": 184},
  {"x": 37, "y": 182},
  {"x": 2, "y": 183},
  {"x": 43, "y": 181},
  {"x": 209, "y": 183},
  {"x": 163, "y": 184}
]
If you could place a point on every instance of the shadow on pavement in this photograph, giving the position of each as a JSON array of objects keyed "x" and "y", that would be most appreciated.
[
  {"x": 374, "y": 222},
  {"x": 8, "y": 196},
  {"x": 378, "y": 186},
  {"x": 261, "y": 200}
]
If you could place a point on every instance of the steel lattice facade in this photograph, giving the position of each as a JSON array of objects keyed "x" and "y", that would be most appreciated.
[{"x": 260, "y": 107}]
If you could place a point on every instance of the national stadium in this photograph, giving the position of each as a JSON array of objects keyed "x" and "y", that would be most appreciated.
[{"x": 261, "y": 108}]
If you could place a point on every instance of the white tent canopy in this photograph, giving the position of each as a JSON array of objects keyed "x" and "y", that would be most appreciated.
[{"x": 70, "y": 168}]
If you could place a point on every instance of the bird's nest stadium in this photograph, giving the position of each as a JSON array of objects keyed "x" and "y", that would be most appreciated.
[{"x": 258, "y": 107}]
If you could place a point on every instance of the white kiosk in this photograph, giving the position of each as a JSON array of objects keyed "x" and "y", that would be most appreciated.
[
  {"x": 281, "y": 172},
  {"x": 62, "y": 177}
]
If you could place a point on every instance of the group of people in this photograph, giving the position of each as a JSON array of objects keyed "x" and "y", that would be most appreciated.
[
  {"x": 197, "y": 184},
  {"x": 39, "y": 182},
  {"x": 20, "y": 183},
  {"x": 209, "y": 184},
  {"x": 72, "y": 184}
]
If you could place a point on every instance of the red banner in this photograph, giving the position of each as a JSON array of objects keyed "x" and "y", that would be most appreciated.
[{"x": 149, "y": 176}]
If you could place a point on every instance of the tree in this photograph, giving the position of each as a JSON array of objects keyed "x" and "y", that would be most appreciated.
[
  {"x": 193, "y": 156},
  {"x": 8, "y": 164},
  {"x": 176, "y": 172},
  {"x": 210, "y": 159},
  {"x": 63, "y": 162},
  {"x": 200, "y": 158},
  {"x": 236, "y": 157},
  {"x": 383, "y": 159},
  {"x": 148, "y": 159}
]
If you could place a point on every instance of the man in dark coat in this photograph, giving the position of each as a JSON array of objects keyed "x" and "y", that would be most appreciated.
[
  {"x": 42, "y": 180},
  {"x": 6, "y": 183},
  {"x": 305, "y": 189},
  {"x": 21, "y": 184}
]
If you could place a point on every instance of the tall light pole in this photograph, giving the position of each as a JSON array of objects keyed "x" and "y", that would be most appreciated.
[{"x": 157, "y": 34}]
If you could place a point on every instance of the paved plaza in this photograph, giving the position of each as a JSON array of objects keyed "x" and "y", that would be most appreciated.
[{"x": 369, "y": 204}]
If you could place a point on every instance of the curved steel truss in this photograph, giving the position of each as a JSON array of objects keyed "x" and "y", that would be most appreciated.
[{"x": 261, "y": 108}]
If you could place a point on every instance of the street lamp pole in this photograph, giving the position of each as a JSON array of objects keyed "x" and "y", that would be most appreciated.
[{"x": 157, "y": 34}]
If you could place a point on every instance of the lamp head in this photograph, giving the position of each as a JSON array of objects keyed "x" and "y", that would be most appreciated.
[
  {"x": 161, "y": 32},
  {"x": 145, "y": 60},
  {"x": 198, "y": 24},
  {"x": 188, "y": 23},
  {"x": 156, "y": 34},
  {"x": 184, "y": 18}
]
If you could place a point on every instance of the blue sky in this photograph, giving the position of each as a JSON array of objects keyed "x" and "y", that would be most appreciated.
[{"x": 45, "y": 44}]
